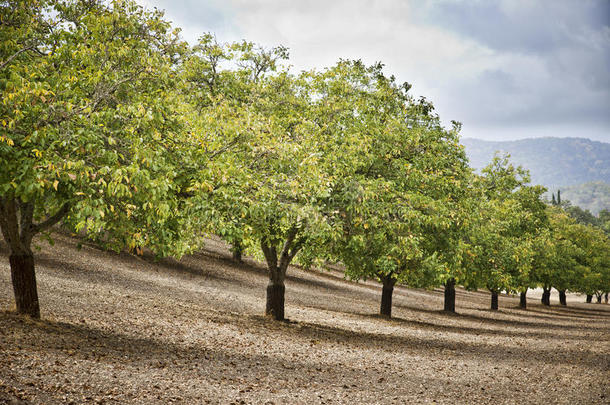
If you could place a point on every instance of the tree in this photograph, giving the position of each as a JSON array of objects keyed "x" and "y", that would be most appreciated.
[
  {"x": 396, "y": 202},
  {"x": 222, "y": 82},
  {"x": 592, "y": 258},
  {"x": 571, "y": 257},
  {"x": 511, "y": 214},
  {"x": 581, "y": 216},
  {"x": 87, "y": 122},
  {"x": 266, "y": 189},
  {"x": 604, "y": 221},
  {"x": 564, "y": 256}
]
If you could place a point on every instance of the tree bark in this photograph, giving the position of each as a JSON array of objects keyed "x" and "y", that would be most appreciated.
[
  {"x": 589, "y": 298},
  {"x": 599, "y": 298},
  {"x": 562, "y": 297},
  {"x": 24, "y": 284},
  {"x": 606, "y": 298},
  {"x": 275, "y": 300},
  {"x": 546, "y": 296},
  {"x": 18, "y": 229},
  {"x": 494, "y": 300},
  {"x": 523, "y": 300},
  {"x": 277, "y": 271},
  {"x": 386, "y": 295},
  {"x": 450, "y": 295}
]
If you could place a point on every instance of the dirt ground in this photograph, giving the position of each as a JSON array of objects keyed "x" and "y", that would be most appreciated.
[{"x": 125, "y": 329}]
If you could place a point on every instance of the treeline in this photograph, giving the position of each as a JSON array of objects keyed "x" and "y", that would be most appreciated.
[
  {"x": 114, "y": 127},
  {"x": 602, "y": 220}
]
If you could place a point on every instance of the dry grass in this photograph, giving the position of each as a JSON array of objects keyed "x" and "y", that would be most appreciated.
[{"x": 124, "y": 329}]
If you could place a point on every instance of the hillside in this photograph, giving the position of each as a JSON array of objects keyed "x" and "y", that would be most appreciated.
[
  {"x": 556, "y": 163},
  {"x": 121, "y": 329},
  {"x": 594, "y": 196}
]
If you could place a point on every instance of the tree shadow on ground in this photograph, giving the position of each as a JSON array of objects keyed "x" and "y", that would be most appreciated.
[
  {"x": 81, "y": 345},
  {"x": 489, "y": 319},
  {"x": 509, "y": 331},
  {"x": 93, "y": 344},
  {"x": 427, "y": 344},
  {"x": 561, "y": 310},
  {"x": 534, "y": 311}
]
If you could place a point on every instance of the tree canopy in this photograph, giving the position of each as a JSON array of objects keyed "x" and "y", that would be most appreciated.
[{"x": 118, "y": 130}]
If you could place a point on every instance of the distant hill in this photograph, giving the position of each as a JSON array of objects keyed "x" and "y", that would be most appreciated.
[
  {"x": 556, "y": 163},
  {"x": 594, "y": 196}
]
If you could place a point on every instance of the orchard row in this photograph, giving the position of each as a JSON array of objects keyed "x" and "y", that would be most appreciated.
[{"x": 115, "y": 128}]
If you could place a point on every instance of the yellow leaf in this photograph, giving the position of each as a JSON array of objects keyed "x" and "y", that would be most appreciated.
[{"x": 55, "y": 183}]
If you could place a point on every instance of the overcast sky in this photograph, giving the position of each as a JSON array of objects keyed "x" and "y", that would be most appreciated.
[{"x": 507, "y": 69}]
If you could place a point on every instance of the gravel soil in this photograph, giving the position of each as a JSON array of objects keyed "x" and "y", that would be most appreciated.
[{"x": 122, "y": 329}]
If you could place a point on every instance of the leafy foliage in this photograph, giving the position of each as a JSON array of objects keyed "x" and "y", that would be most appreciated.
[
  {"x": 398, "y": 195},
  {"x": 90, "y": 117},
  {"x": 501, "y": 242},
  {"x": 113, "y": 125}
]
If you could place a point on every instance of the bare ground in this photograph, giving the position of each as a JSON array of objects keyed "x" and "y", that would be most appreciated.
[{"x": 125, "y": 329}]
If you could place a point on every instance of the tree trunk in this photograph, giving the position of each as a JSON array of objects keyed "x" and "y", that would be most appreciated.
[
  {"x": 237, "y": 250},
  {"x": 562, "y": 297},
  {"x": 450, "y": 295},
  {"x": 18, "y": 229},
  {"x": 546, "y": 296},
  {"x": 589, "y": 298},
  {"x": 523, "y": 300},
  {"x": 386, "y": 295},
  {"x": 237, "y": 256},
  {"x": 277, "y": 271},
  {"x": 24, "y": 284},
  {"x": 275, "y": 300},
  {"x": 599, "y": 298},
  {"x": 606, "y": 298},
  {"x": 494, "y": 300}
]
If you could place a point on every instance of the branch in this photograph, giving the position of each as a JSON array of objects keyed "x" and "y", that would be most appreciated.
[
  {"x": 270, "y": 256},
  {"x": 296, "y": 247},
  {"x": 103, "y": 95},
  {"x": 52, "y": 220},
  {"x": 226, "y": 147},
  {"x": 13, "y": 56},
  {"x": 286, "y": 256},
  {"x": 387, "y": 279}
]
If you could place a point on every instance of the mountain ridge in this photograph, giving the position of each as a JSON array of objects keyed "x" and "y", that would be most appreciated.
[{"x": 571, "y": 163}]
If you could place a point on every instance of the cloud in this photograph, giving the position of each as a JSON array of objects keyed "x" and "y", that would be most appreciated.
[
  {"x": 551, "y": 65},
  {"x": 196, "y": 17},
  {"x": 492, "y": 65}
]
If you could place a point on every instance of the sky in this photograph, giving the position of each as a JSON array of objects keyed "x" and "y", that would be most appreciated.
[{"x": 506, "y": 69}]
